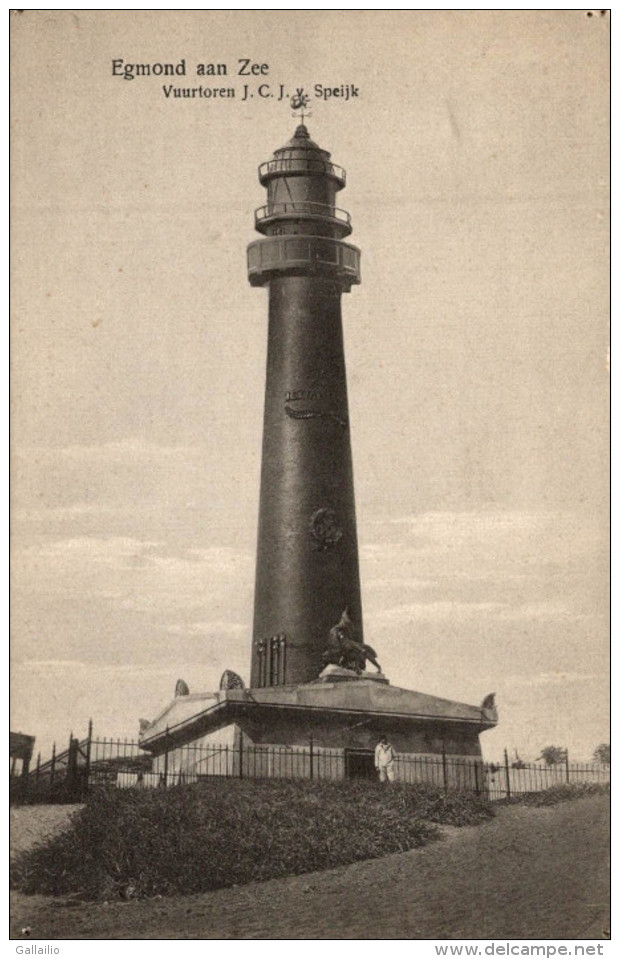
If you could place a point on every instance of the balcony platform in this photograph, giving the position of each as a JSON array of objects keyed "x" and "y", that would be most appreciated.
[
  {"x": 301, "y": 165},
  {"x": 302, "y": 256},
  {"x": 339, "y": 220}
]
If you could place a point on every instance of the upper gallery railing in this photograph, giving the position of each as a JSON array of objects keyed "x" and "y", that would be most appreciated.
[
  {"x": 301, "y": 166},
  {"x": 302, "y": 208}
]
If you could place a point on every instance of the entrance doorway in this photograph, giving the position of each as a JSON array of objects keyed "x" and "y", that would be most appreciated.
[{"x": 359, "y": 764}]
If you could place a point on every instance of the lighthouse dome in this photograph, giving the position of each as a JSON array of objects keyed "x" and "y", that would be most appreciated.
[
  {"x": 302, "y": 157},
  {"x": 301, "y": 141}
]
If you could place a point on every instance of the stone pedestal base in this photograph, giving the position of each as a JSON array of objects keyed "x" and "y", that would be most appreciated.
[
  {"x": 336, "y": 674},
  {"x": 340, "y": 710}
]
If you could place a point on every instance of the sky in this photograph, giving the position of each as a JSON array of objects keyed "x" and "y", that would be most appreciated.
[{"x": 476, "y": 153}]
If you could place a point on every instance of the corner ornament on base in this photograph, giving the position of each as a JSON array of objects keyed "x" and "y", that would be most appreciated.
[
  {"x": 231, "y": 680},
  {"x": 488, "y": 707}
]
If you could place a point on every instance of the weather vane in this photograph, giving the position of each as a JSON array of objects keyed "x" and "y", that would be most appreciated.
[{"x": 299, "y": 102}]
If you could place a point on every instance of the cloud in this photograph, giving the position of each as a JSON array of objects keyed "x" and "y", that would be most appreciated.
[
  {"x": 132, "y": 484},
  {"x": 512, "y": 566},
  {"x": 436, "y": 587},
  {"x": 128, "y": 574},
  {"x": 63, "y": 664},
  {"x": 71, "y": 555},
  {"x": 133, "y": 446},
  {"x": 468, "y": 520},
  {"x": 505, "y": 532},
  {"x": 380, "y": 584},
  {"x": 110, "y": 550},
  {"x": 458, "y": 611},
  {"x": 32, "y": 514},
  {"x": 439, "y": 610},
  {"x": 541, "y": 611},
  {"x": 208, "y": 628},
  {"x": 554, "y": 679},
  {"x": 73, "y": 667},
  {"x": 82, "y": 676}
]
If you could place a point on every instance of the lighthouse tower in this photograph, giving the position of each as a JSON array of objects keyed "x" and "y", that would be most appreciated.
[
  {"x": 307, "y": 570},
  {"x": 311, "y": 698}
]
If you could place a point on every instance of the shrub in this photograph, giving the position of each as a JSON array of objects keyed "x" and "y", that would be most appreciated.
[{"x": 190, "y": 839}]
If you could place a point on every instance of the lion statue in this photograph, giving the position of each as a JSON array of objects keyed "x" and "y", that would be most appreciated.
[{"x": 344, "y": 650}]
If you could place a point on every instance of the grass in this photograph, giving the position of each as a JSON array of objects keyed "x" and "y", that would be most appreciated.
[
  {"x": 557, "y": 794},
  {"x": 195, "y": 838}
]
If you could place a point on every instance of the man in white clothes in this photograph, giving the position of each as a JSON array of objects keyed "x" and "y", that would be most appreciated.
[{"x": 384, "y": 760}]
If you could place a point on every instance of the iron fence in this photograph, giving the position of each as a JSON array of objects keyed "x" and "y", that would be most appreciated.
[
  {"x": 62, "y": 778},
  {"x": 121, "y": 763},
  {"x": 505, "y": 780}
]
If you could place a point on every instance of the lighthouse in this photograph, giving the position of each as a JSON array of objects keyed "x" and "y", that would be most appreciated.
[
  {"x": 310, "y": 698},
  {"x": 307, "y": 567}
]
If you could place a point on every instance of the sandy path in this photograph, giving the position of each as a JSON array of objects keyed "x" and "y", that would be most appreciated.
[
  {"x": 30, "y": 825},
  {"x": 529, "y": 873}
]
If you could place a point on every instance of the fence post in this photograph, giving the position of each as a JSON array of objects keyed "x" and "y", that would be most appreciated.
[
  {"x": 88, "y": 748},
  {"x": 72, "y": 770},
  {"x": 240, "y": 754},
  {"x": 71, "y": 764},
  {"x": 566, "y": 764},
  {"x": 53, "y": 767},
  {"x": 444, "y": 766},
  {"x": 477, "y": 777},
  {"x": 507, "y": 768},
  {"x": 25, "y": 778},
  {"x": 311, "y": 758},
  {"x": 166, "y": 761}
]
